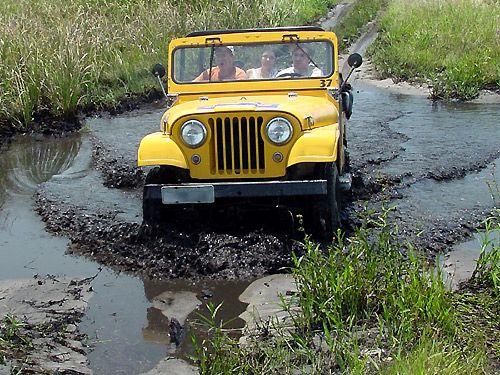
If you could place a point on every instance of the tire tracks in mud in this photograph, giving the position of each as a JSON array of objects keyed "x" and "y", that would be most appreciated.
[
  {"x": 187, "y": 249},
  {"x": 192, "y": 248},
  {"x": 116, "y": 171}
]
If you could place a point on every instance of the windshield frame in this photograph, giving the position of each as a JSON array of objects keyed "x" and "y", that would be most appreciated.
[
  {"x": 329, "y": 79},
  {"x": 266, "y": 44}
]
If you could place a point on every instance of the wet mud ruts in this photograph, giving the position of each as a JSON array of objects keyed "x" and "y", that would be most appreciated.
[
  {"x": 186, "y": 249},
  {"x": 116, "y": 172}
]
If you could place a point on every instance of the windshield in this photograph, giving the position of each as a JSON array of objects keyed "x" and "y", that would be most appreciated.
[{"x": 256, "y": 61}]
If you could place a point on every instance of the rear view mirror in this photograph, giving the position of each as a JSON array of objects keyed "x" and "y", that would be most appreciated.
[
  {"x": 158, "y": 70},
  {"x": 355, "y": 60}
]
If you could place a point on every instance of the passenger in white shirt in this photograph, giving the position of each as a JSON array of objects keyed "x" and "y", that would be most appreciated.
[
  {"x": 301, "y": 60},
  {"x": 267, "y": 69}
]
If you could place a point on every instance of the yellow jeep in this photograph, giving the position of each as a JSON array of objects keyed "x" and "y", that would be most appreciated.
[{"x": 253, "y": 115}]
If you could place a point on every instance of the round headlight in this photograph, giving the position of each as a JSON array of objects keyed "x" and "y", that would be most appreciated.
[
  {"x": 279, "y": 130},
  {"x": 193, "y": 133}
]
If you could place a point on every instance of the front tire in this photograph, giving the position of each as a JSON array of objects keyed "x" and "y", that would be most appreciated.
[
  {"x": 153, "y": 209},
  {"x": 328, "y": 207}
]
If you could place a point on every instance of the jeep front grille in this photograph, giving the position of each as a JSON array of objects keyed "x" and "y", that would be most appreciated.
[{"x": 237, "y": 144}]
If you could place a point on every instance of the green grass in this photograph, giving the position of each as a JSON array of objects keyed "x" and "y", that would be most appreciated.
[
  {"x": 59, "y": 56},
  {"x": 352, "y": 26},
  {"x": 13, "y": 340},
  {"x": 454, "y": 45},
  {"x": 435, "y": 358},
  {"x": 378, "y": 307},
  {"x": 487, "y": 272},
  {"x": 374, "y": 280}
]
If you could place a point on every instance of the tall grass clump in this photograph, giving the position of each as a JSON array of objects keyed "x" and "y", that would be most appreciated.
[
  {"x": 432, "y": 357},
  {"x": 58, "y": 56},
  {"x": 487, "y": 271},
  {"x": 372, "y": 277},
  {"x": 369, "y": 292},
  {"x": 279, "y": 353},
  {"x": 477, "y": 303},
  {"x": 13, "y": 340},
  {"x": 453, "y": 46}
]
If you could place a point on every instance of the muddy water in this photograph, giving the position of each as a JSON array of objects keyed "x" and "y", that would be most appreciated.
[
  {"x": 459, "y": 264},
  {"x": 127, "y": 321},
  {"x": 432, "y": 160}
]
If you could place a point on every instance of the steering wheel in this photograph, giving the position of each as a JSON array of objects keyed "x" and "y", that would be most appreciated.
[{"x": 291, "y": 75}]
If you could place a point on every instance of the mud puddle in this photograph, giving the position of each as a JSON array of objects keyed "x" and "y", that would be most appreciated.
[
  {"x": 432, "y": 160},
  {"x": 126, "y": 325},
  {"x": 459, "y": 264}
]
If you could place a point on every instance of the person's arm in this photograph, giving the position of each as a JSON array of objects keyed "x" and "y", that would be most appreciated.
[
  {"x": 240, "y": 74},
  {"x": 252, "y": 73},
  {"x": 202, "y": 77},
  {"x": 284, "y": 71},
  {"x": 316, "y": 73}
]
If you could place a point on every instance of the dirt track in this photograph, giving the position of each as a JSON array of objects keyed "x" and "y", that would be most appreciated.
[{"x": 413, "y": 153}]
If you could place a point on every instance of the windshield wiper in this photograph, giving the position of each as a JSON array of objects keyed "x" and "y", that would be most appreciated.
[
  {"x": 212, "y": 50},
  {"x": 302, "y": 49}
]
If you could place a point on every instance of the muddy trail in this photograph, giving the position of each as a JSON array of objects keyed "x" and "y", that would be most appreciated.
[
  {"x": 432, "y": 160},
  {"x": 70, "y": 207}
]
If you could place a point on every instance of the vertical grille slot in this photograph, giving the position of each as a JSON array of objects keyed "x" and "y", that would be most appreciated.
[{"x": 237, "y": 145}]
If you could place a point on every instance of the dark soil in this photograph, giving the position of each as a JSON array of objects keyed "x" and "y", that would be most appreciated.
[
  {"x": 187, "y": 249},
  {"x": 47, "y": 123},
  {"x": 115, "y": 171},
  {"x": 39, "y": 328}
]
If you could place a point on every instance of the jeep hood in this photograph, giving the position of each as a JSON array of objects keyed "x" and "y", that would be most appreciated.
[{"x": 322, "y": 111}]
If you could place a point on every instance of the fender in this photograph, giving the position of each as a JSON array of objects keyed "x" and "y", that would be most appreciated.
[
  {"x": 316, "y": 145},
  {"x": 159, "y": 149}
]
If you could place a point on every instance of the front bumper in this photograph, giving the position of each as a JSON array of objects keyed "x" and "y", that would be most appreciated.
[{"x": 209, "y": 192}]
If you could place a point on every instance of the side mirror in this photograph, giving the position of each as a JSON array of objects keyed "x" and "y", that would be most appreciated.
[
  {"x": 158, "y": 70},
  {"x": 355, "y": 60}
]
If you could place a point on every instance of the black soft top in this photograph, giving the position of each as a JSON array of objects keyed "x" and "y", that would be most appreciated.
[{"x": 270, "y": 29}]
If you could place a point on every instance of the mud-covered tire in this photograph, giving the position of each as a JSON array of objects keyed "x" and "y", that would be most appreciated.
[
  {"x": 328, "y": 207},
  {"x": 153, "y": 210}
]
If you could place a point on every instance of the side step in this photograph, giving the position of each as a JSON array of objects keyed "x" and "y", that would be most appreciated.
[{"x": 345, "y": 182}]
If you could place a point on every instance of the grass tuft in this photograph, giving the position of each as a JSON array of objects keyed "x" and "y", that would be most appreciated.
[
  {"x": 452, "y": 46},
  {"x": 367, "y": 304}
]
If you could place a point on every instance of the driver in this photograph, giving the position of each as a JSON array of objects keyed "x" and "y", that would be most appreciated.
[
  {"x": 302, "y": 67},
  {"x": 225, "y": 69}
]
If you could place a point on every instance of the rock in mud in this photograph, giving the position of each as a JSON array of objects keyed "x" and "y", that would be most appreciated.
[
  {"x": 173, "y": 365},
  {"x": 265, "y": 299}
]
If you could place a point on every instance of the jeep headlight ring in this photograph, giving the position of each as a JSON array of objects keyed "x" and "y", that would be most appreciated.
[
  {"x": 193, "y": 133},
  {"x": 279, "y": 130}
]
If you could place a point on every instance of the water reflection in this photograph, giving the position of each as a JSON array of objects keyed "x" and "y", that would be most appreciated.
[
  {"x": 28, "y": 162},
  {"x": 129, "y": 319},
  {"x": 181, "y": 301}
]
